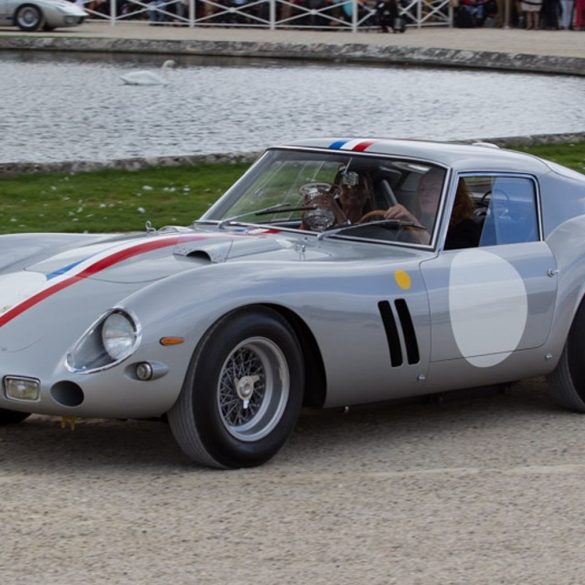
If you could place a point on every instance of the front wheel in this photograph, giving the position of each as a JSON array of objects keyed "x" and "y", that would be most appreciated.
[
  {"x": 29, "y": 18},
  {"x": 243, "y": 392},
  {"x": 12, "y": 417}
]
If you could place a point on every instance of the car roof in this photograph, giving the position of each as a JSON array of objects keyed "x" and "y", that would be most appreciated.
[{"x": 479, "y": 156}]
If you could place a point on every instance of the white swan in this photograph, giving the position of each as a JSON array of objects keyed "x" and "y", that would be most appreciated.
[{"x": 149, "y": 77}]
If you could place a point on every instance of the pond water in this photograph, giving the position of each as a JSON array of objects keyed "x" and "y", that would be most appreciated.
[{"x": 59, "y": 107}]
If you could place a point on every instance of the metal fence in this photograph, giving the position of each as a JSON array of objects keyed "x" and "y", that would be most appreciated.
[{"x": 347, "y": 15}]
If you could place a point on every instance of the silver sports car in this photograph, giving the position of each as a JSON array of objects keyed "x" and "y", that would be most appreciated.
[
  {"x": 33, "y": 15},
  {"x": 334, "y": 272}
]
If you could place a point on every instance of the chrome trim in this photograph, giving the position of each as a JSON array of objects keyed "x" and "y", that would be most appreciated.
[{"x": 91, "y": 330}]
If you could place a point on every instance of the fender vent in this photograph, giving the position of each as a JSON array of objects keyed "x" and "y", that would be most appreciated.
[
  {"x": 393, "y": 334},
  {"x": 408, "y": 331}
]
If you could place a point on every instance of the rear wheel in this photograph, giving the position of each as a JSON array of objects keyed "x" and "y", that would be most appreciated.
[
  {"x": 29, "y": 18},
  {"x": 12, "y": 417},
  {"x": 567, "y": 382},
  {"x": 243, "y": 392}
]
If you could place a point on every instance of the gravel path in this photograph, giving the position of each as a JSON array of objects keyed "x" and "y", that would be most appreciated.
[{"x": 481, "y": 488}]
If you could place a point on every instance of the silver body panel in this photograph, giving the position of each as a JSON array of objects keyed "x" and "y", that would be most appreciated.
[{"x": 479, "y": 316}]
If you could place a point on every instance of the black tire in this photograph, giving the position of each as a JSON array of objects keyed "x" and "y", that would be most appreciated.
[
  {"x": 243, "y": 392},
  {"x": 12, "y": 417},
  {"x": 29, "y": 18},
  {"x": 567, "y": 381}
]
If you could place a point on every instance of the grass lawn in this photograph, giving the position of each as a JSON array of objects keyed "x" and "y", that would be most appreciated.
[{"x": 110, "y": 201}]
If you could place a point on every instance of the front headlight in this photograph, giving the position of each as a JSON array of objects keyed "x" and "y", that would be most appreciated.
[
  {"x": 119, "y": 335},
  {"x": 110, "y": 340}
]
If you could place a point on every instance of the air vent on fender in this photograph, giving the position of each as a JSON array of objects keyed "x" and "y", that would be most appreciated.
[{"x": 391, "y": 327}]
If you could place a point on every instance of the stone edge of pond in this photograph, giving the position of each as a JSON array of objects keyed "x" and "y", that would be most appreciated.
[
  {"x": 136, "y": 164},
  {"x": 349, "y": 52}
]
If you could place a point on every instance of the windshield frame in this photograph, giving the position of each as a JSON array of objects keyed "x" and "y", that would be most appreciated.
[{"x": 226, "y": 201}]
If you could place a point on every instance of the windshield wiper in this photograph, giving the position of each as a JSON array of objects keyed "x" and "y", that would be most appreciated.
[
  {"x": 387, "y": 223},
  {"x": 280, "y": 208}
]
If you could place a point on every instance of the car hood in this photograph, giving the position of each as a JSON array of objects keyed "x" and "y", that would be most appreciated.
[
  {"x": 43, "y": 277},
  {"x": 144, "y": 257},
  {"x": 135, "y": 258}
]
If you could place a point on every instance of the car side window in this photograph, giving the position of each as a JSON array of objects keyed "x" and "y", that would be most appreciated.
[{"x": 505, "y": 208}]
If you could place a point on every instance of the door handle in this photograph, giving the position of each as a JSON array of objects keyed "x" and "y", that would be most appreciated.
[{"x": 552, "y": 272}]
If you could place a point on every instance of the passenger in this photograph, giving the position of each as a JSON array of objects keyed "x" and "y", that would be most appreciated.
[{"x": 463, "y": 232}]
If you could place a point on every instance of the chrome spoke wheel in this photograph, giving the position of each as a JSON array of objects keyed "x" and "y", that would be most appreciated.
[
  {"x": 253, "y": 389},
  {"x": 29, "y": 18},
  {"x": 243, "y": 392}
]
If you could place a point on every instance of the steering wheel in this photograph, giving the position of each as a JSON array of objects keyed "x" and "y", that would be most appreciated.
[
  {"x": 373, "y": 215},
  {"x": 484, "y": 202}
]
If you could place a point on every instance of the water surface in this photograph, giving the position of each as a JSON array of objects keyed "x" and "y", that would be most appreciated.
[{"x": 57, "y": 107}]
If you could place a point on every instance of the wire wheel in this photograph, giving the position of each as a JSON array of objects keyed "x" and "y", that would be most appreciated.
[
  {"x": 243, "y": 391},
  {"x": 29, "y": 18},
  {"x": 253, "y": 389}
]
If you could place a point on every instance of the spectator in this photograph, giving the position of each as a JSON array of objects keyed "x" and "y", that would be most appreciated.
[
  {"x": 567, "y": 7},
  {"x": 531, "y": 9},
  {"x": 550, "y": 14},
  {"x": 579, "y": 23}
]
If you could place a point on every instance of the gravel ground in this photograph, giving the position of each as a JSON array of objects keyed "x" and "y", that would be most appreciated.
[{"x": 481, "y": 488}]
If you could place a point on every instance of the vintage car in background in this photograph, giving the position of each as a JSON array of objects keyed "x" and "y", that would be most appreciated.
[
  {"x": 328, "y": 275},
  {"x": 47, "y": 15}
]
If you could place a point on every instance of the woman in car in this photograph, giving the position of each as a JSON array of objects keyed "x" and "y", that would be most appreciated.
[{"x": 463, "y": 231}]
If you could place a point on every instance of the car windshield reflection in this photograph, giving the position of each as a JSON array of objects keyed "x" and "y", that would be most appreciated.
[{"x": 379, "y": 198}]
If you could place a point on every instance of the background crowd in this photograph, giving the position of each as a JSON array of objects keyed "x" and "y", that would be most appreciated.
[
  {"x": 527, "y": 14},
  {"x": 385, "y": 15}
]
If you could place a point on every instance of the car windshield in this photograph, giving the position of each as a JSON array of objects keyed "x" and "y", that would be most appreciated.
[{"x": 324, "y": 191}]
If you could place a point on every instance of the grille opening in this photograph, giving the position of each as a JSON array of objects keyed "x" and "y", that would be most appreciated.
[{"x": 391, "y": 333}]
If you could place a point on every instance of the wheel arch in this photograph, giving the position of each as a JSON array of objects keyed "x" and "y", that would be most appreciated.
[
  {"x": 315, "y": 378},
  {"x": 314, "y": 393}
]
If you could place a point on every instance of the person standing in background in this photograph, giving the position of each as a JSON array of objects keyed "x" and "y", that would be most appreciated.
[
  {"x": 550, "y": 14},
  {"x": 567, "y": 7},
  {"x": 579, "y": 21},
  {"x": 531, "y": 9}
]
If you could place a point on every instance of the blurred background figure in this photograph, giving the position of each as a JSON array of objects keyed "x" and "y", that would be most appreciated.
[
  {"x": 531, "y": 10},
  {"x": 567, "y": 7}
]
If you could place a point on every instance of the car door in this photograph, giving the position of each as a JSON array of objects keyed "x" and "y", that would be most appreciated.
[{"x": 491, "y": 304}]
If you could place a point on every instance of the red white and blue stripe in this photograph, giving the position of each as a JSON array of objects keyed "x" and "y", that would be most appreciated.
[
  {"x": 355, "y": 145},
  {"x": 21, "y": 291}
]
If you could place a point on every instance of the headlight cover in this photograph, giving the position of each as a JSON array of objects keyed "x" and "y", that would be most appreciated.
[
  {"x": 109, "y": 341},
  {"x": 118, "y": 335}
]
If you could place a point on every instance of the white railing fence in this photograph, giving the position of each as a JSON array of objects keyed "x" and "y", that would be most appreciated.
[{"x": 348, "y": 15}]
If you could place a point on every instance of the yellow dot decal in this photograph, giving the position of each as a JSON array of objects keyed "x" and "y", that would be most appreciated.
[{"x": 402, "y": 279}]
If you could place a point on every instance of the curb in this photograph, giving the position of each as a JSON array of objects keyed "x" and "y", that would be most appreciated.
[
  {"x": 350, "y": 52},
  {"x": 135, "y": 164}
]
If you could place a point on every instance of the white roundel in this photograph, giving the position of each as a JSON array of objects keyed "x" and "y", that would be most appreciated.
[
  {"x": 488, "y": 307},
  {"x": 18, "y": 286}
]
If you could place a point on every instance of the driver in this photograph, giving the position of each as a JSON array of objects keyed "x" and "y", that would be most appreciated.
[
  {"x": 355, "y": 197},
  {"x": 344, "y": 202}
]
